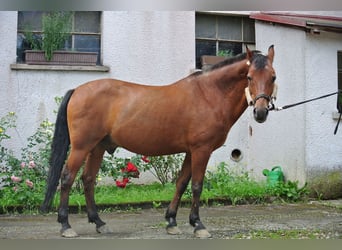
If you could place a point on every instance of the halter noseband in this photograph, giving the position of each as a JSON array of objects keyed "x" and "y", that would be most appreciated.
[{"x": 270, "y": 99}]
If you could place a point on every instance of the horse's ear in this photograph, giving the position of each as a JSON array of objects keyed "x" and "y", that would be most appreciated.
[
  {"x": 249, "y": 53},
  {"x": 271, "y": 53}
]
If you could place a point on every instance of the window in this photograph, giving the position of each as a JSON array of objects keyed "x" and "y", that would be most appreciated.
[
  {"x": 85, "y": 34},
  {"x": 339, "y": 79},
  {"x": 215, "y": 33}
]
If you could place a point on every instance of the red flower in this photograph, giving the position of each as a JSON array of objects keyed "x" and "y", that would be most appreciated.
[
  {"x": 131, "y": 167},
  {"x": 145, "y": 159},
  {"x": 131, "y": 170},
  {"x": 123, "y": 183}
]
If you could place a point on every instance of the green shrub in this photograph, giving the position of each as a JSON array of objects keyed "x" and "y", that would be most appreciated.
[{"x": 165, "y": 168}]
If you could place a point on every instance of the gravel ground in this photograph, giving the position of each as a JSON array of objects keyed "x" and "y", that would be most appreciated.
[{"x": 315, "y": 219}]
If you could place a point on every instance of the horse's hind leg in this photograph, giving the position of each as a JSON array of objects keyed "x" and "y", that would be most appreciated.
[
  {"x": 181, "y": 184},
  {"x": 69, "y": 172},
  {"x": 89, "y": 177}
]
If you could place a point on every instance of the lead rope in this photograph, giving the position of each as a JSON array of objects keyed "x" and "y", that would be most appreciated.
[
  {"x": 338, "y": 123},
  {"x": 310, "y": 100}
]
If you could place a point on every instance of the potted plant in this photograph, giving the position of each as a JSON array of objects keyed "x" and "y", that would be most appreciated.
[
  {"x": 209, "y": 60},
  {"x": 56, "y": 28}
]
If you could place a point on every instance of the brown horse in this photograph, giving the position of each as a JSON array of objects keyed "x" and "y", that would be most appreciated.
[{"x": 193, "y": 115}]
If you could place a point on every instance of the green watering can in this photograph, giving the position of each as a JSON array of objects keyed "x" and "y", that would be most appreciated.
[{"x": 275, "y": 176}]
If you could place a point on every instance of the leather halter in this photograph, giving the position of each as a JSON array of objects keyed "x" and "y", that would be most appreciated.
[{"x": 270, "y": 99}]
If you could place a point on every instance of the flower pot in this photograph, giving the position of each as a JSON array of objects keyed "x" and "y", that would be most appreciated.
[
  {"x": 207, "y": 61},
  {"x": 61, "y": 58}
]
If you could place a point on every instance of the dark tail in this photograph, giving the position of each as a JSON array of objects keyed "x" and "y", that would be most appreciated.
[{"x": 59, "y": 151}]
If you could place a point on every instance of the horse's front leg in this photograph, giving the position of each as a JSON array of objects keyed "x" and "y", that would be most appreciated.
[
  {"x": 199, "y": 165},
  {"x": 181, "y": 184},
  {"x": 89, "y": 178}
]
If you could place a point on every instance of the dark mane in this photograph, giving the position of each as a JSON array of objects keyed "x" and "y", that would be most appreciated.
[
  {"x": 228, "y": 61},
  {"x": 258, "y": 59}
]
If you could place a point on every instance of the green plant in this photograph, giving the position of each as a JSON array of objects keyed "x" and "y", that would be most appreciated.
[
  {"x": 6, "y": 156},
  {"x": 56, "y": 30},
  {"x": 33, "y": 40},
  {"x": 39, "y": 146},
  {"x": 290, "y": 192},
  {"x": 24, "y": 180},
  {"x": 165, "y": 168},
  {"x": 56, "y": 27},
  {"x": 225, "y": 53},
  {"x": 121, "y": 169},
  {"x": 24, "y": 186},
  {"x": 234, "y": 184},
  {"x": 6, "y": 122}
]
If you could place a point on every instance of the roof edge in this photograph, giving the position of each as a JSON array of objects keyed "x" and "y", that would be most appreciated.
[{"x": 306, "y": 22}]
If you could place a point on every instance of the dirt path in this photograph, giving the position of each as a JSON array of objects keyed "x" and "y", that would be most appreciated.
[{"x": 223, "y": 222}]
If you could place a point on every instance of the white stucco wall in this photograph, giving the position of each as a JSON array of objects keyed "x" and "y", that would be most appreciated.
[
  {"x": 323, "y": 148},
  {"x": 145, "y": 47},
  {"x": 299, "y": 139},
  {"x": 149, "y": 47},
  {"x": 8, "y": 36},
  {"x": 281, "y": 139}
]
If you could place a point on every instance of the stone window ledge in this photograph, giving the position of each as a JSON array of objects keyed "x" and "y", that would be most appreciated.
[{"x": 21, "y": 66}]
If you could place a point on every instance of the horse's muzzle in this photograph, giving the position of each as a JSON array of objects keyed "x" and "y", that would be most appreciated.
[{"x": 260, "y": 114}]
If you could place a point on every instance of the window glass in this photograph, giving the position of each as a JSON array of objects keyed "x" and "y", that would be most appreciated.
[
  {"x": 229, "y": 28},
  {"x": 206, "y": 26},
  {"x": 87, "y": 21},
  {"x": 30, "y": 20},
  {"x": 204, "y": 48},
  {"x": 248, "y": 30}
]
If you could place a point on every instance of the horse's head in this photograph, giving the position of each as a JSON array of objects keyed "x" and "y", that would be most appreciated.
[{"x": 261, "y": 90}]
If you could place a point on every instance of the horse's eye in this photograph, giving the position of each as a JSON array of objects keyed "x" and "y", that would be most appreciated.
[
  {"x": 249, "y": 78},
  {"x": 274, "y": 78}
]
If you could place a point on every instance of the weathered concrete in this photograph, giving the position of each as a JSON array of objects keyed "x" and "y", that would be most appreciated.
[{"x": 223, "y": 222}]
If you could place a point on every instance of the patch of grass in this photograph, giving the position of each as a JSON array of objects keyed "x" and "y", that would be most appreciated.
[
  {"x": 105, "y": 195},
  {"x": 287, "y": 234}
]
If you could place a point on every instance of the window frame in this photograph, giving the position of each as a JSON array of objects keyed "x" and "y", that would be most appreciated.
[
  {"x": 73, "y": 35},
  {"x": 218, "y": 40}
]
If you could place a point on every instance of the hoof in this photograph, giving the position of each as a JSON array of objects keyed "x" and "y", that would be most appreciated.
[
  {"x": 104, "y": 230},
  {"x": 69, "y": 233},
  {"x": 173, "y": 230},
  {"x": 202, "y": 233}
]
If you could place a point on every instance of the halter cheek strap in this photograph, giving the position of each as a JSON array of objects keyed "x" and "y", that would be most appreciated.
[{"x": 271, "y": 98}]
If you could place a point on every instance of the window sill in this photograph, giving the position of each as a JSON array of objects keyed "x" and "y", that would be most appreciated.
[{"x": 22, "y": 66}]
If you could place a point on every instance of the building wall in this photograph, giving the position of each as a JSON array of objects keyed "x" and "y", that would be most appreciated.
[
  {"x": 281, "y": 139},
  {"x": 299, "y": 139},
  {"x": 323, "y": 148}
]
